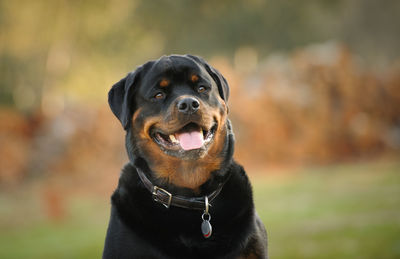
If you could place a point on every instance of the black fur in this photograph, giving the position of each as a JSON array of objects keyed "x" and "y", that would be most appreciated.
[{"x": 142, "y": 228}]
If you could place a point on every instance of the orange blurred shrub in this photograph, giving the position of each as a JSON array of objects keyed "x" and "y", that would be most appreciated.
[{"x": 316, "y": 106}]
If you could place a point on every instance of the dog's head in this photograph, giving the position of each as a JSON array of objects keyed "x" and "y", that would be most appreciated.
[{"x": 175, "y": 113}]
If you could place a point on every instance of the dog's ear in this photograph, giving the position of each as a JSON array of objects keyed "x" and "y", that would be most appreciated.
[
  {"x": 223, "y": 87},
  {"x": 120, "y": 97}
]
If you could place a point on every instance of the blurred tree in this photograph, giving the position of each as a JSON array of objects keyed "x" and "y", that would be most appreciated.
[
  {"x": 66, "y": 48},
  {"x": 370, "y": 27}
]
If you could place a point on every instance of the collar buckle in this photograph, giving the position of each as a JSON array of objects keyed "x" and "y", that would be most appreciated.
[{"x": 162, "y": 196}]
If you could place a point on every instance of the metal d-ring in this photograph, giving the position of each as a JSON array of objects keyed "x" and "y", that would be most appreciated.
[
  {"x": 207, "y": 205},
  {"x": 206, "y": 202}
]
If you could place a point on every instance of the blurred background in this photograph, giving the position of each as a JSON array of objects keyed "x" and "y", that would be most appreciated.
[{"x": 315, "y": 104}]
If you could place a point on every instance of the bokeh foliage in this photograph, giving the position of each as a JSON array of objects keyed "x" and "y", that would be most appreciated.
[{"x": 74, "y": 48}]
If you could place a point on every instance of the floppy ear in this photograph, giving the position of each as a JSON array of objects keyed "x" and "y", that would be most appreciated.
[
  {"x": 223, "y": 87},
  {"x": 120, "y": 97}
]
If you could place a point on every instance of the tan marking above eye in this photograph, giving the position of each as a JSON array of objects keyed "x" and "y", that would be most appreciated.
[
  {"x": 164, "y": 83},
  {"x": 194, "y": 78}
]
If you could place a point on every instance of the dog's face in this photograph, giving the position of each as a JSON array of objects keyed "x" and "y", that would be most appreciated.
[{"x": 175, "y": 110}]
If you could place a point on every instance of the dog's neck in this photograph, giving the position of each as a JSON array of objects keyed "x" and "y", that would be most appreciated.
[
  {"x": 212, "y": 183},
  {"x": 195, "y": 202}
]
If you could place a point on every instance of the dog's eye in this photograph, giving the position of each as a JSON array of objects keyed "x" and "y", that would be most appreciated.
[
  {"x": 201, "y": 89},
  {"x": 159, "y": 96}
]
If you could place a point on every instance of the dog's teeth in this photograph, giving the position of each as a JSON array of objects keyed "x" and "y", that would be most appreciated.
[{"x": 173, "y": 139}]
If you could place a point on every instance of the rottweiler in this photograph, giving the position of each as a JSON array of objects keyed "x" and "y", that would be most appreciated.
[{"x": 181, "y": 195}]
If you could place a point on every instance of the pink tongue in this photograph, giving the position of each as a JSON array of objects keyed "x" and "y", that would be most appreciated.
[{"x": 190, "y": 140}]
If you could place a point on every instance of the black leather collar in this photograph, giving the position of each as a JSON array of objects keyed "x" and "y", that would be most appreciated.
[{"x": 167, "y": 199}]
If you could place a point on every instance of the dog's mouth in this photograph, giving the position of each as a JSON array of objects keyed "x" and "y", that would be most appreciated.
[{"x": 190, "y": 137}]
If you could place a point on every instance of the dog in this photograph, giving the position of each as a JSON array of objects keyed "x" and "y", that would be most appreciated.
[{"x": 181, "y": 195}]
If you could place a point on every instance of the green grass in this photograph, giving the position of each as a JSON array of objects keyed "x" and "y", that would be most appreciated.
[
  {"x": 348, "y": 211},
  {"x": 80, "y": 235}
]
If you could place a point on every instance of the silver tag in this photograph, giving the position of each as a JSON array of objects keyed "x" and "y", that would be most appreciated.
[{"x": 206, "y": 228}]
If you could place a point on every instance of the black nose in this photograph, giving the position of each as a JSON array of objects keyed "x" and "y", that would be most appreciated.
[{"x": 188, "y": 105}]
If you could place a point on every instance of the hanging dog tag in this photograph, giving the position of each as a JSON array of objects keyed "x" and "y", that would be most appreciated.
[{"x": 206, "y": 227}]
